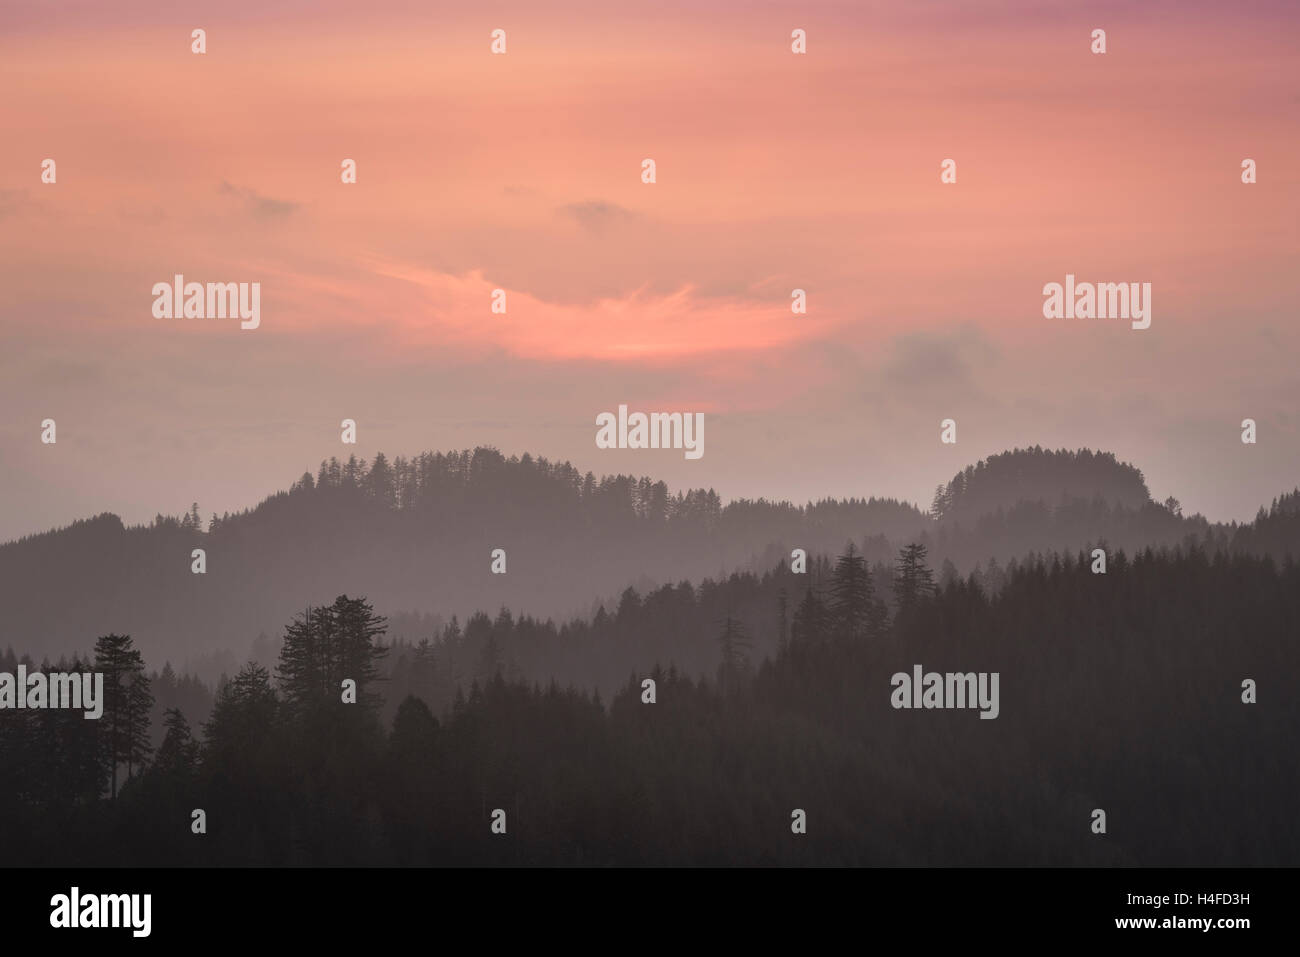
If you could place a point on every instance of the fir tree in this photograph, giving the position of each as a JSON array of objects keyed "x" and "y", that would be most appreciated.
[
  {"x": 178, "y": 755},
  {"x": 127, "y": 702},
  {"x": 856, "y": 613},
  {"x": 913, "y": 579}
]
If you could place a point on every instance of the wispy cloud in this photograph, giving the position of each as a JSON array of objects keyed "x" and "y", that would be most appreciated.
[
  {"x": 261, "y": 207},
  {"x": 450, "y": 310},
  {"x": 597, "y": 215},
  {"x": 945, "y": 357}
]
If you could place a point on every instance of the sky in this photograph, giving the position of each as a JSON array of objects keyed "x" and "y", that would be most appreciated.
[{"x": 522, "y": 172}]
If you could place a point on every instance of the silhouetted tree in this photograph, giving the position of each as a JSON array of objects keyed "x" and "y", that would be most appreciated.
[
  {"x": 856, "y": 613},
  {"x": 324, "y": 646},
  {"x": 178, "y": 755},
  {"x": 811, "y": 622},
  {"x": 138, "y": 704},
  {"x": 913, "y": 579},
  {"x": 126, "y": 705},
  {"x": 246, "y": 708}
]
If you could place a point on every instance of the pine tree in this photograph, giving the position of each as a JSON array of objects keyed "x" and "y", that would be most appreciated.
[
  {"x": 138, "y": 702},
  {"x": 856, "y": 613},
  {"x": 942, "y": 501},
  {"x": 359, "y": 629},
  {"x": 324, "y": 646},
  {"x": 415, "y": 731},
  {"x": 178, "y": 754},
  {"x": 244, "y": 714},
  {"x": 811, "y": 622},
  {"x": 381, "y": 483},
  {"x": 303, "y": 669},
  {"x": 913, "y": 579},
  {"x": 126, "y": 711}
]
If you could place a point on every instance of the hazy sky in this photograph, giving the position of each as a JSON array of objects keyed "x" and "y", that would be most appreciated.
[{"x": 775, "y": 171}]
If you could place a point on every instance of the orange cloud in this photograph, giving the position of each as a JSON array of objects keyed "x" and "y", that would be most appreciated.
[{"x": 436, "y": 310}]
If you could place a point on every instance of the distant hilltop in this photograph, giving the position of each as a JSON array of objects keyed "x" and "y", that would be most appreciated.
[
  {"x": 1039, "y": 475},
  {"x": 453, "y": 533}
]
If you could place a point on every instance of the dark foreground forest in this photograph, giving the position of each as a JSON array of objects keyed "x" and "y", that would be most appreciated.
[{"x": 1120, "y": 691}]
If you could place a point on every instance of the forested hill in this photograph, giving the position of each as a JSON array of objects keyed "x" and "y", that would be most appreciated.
[
  {"x": 1039, "y": 475},
  {"x": 418, "y": 535}
]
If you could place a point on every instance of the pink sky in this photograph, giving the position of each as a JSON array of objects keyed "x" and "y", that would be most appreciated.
[{"x": 522, "y": 172}]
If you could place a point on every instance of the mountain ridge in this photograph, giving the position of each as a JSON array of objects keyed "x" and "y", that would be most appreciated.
[{"x": 417, "y": 535}]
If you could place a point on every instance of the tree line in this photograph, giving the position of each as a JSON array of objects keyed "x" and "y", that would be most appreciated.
[
  {"x": 1121, "y": 691},
  {"x": 415, "y": 535}
]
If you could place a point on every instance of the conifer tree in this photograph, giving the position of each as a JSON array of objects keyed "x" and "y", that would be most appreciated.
[
  {"x": 323, "y": 647},
  {"x": 856, "y": 613},
  {"x": 810, "y": 625},
  {"x": 913, "y": 579},
  {"x": 138, "y": 704},
  {"x": 178, "y": 755},
  {"x": 127, "y": 702}
]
